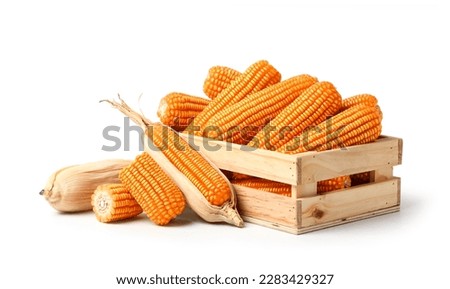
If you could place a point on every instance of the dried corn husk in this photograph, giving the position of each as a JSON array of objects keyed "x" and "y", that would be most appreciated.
[{"x": 70, "y": 189}]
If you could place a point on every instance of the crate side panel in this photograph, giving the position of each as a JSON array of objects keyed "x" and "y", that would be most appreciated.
[
  {"x": 361, "y": 158},
  {"x": 350, "y": 202},
  {"x": 269, "y": 207}
]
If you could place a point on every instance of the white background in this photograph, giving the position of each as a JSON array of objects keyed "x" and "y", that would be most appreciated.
[{"x": 57, "y": 60}]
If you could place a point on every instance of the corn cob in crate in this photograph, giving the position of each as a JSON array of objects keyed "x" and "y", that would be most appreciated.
[
  {"x": 258, "y": 76},
  {"x": 244, "y": 118},
  {"x": 285, "y": 189},
  {"x": 355, "y": 125},
  {"x": 264, "y": 185},
  {"x": 177, "y": 110},
  {"x": 313, "y": 106},
  {"x": 114, "y": 202},
  {"x": 360, "y": 99},
  {"x": 333, "y": 184},
  {"x": 218, "y": 78}
]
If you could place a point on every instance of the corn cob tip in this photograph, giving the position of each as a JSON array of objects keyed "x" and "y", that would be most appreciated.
[
  {"x": 41, "y": 192},
  {"x": 232, "y": 217}
]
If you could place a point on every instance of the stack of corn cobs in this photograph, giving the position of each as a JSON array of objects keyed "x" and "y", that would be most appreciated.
[{"x": 254, "y": 108}]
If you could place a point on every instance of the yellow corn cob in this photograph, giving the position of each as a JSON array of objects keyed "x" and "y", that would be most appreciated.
[
  {"x": 285, "y": 189},
  {"x": 361, "y": 178},
  {"x": 313, "y": 106},
  {"x": 365, "y": 99},
  {"x": 153, "y": 190},
  {"x": 356, "y": 125},
  {"x": 177, "y": 110},
  {"x": 256, "y": 77},
  {"x": 264, "y": 185},
  {"x": 113, "y": 202},
  {"x": 333, "y": 184},
  {"x": 236, "y": 122},
  {"x": 218, "y": 78}
]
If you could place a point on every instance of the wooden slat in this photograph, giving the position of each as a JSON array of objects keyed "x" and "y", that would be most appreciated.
[
  {"x": 342, "y": 221},
  {"x": 289, "y": 229},
  {"x": 298, "y": 231},
  {"x": 324, "y": 165},
  {"x": 270, "y": 207},
  {"x": 243, "y": 159},
  {"x": 350, "y": 202},
  {"x": 305, "y": 190}
]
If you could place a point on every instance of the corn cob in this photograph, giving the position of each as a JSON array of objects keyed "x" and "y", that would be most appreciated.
[
  {"x": 218, "y": 78},
  {"x": 113, "y": 202},
  {"x": 285, "y": 189},
  {"x": 333, "y": 184},
  {"x": 177, "y": 110},
  {"x": 361, "y": 178},
  {"x": 206, "y": 189},
  {"x": 237, "y": 121},
  {"x": 356, "y": 125},
  {"x": 365, "y": 99},
  {"x": 153, "y": 190},
  {"x": 313, "y": 106},
  {"x": 264, "y": 185},
  {"x": 256, "y": 77}
]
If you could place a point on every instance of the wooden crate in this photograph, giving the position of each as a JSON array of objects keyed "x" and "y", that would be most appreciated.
[{"x": 305, "y": 210}]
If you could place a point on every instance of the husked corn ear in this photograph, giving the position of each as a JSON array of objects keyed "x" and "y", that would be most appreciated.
[
  {"x": 313, "y": 106},
  {"x": 361, "y": 178},
  {"x": 70, "y": 189},
  {"x": 212, "y": 185},
  {"x": 153, "y": 190},
  {"x": 177, "y": 109},
  {"x": 264, "y": 185},
  {"x": 218, "y": 78},
  {"x": 113, "y": 202},
  {"x": 256, "y": 77},
  {"x": 360, "y": 99},
  {"x": 333, "y": 184},
  {"x": 237, "y": 122},
  {"x": 356, "y": 125},
  {"x": 205, "y": 188}
]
